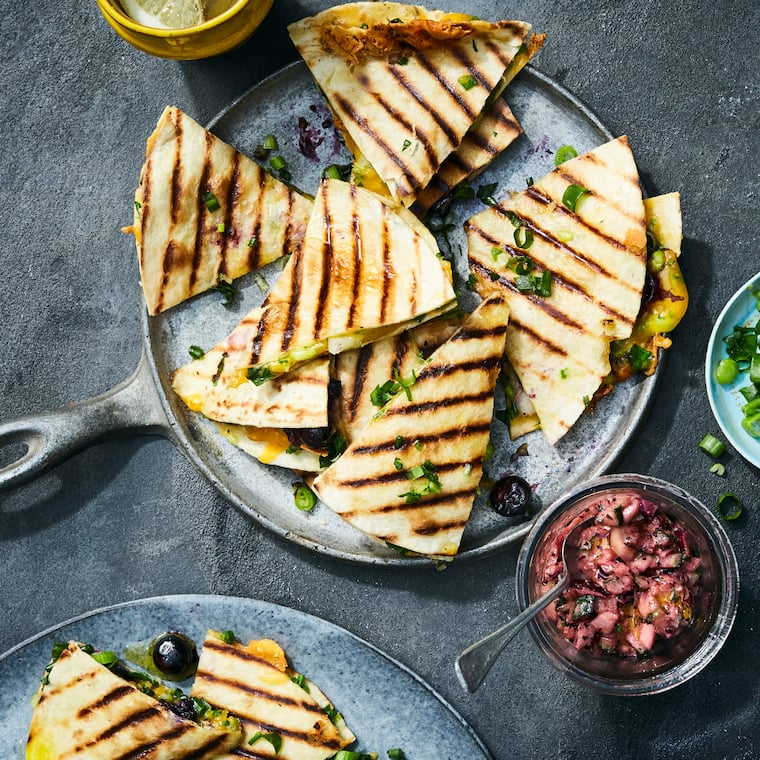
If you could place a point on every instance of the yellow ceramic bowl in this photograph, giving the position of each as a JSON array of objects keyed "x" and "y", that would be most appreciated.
[{"x": 215, "y": 36}]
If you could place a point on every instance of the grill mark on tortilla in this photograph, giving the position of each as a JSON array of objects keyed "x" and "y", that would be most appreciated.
[
  {"x": 140, "y": 752},
  {"x": 360, "y": 378},
  {"x": 133, "y": 719},
  {"x": 233, "y": 191},
  {"x": 450, "y": 434},
  {"x": 349, "y": 112},
  {"x": 295, "y": 294},
  {"x": 477, "y": 333},
  {"x": 246, "y": 688},
  {"x": 203, "y": 187},
  {"x": 446, "y": 128},
  {"x": 324, "y": 288},
  {"x": 425, "y": 502},
  {"x": 356, "y": 279},
  {"x": 298, "y": 736},
  {"x": 258, "y": 339},
  {"x": 254, "y": 251},
  {"x": 387, "y": 269},
  {"x": 290, "y": 194},
  {"x": 427, "y": 406},
  {"x": 176, "y": 180},
  {"x": 107, "y": 699},
  {"x": 554, "y": 348},
  {"x": 449, "y": 87},
  {"x": 541, "y": 303},
  {"x": 398, "y": 476}
]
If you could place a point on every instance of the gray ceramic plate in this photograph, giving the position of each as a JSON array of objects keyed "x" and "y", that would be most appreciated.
[
  {"x": 384, "y": 703},
  {"x": 289, "y": 106}
]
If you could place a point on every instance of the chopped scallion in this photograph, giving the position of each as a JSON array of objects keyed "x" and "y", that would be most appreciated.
[
  {"x": 729, "y": 506},
  {"x": 572, "y": 195},
  {"x": 304, "y": 497},
  {"x": 468, "y": 81},
  {"x": 211, "y": 201},
  {"x": 712, "y": 445},
  {"x": 564, "y": 153},
  {"x": 196, "y": 352}
]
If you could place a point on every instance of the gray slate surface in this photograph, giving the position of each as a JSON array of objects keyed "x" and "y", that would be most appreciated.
[{"x": 131, "y": 518}]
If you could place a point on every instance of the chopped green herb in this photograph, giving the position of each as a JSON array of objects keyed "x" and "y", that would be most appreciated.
[
  {"x": 261, "y": 282},
  {"x": 335, "y": 447},
  {"x": 138, "y": 205},
  {"x": 337, "y": 171},
  {"x": 640, "y": 358},
  {"x": 278, "y": 163},
  {"x": 252, "y": 241},
  {"x": 398, "y": 442},
  {"x": 572, "y": 195},
  {"x": 472, "y": 281},
  {"x": 563, "y": 374},
  {"x": 304, "y": 497},
  {"x": 196, "y": 352},
  {"x": 529, "y": 182},
  {"x": 564, "y": 153},
  {"x": 407, "y": 143},
  {"x": 523, "y": 238},
  {"x": 219, "y": 369},
  {"x": 270, "y": 143},
  {"x": 228, "y": 637},
  {"x": 226, "y": 288},
  {"x": 259, "y": 375},
  {"x": 220, "y": 227},
  {"x": 105, "y": 658},
  {"x": 718, "y": 468},
  {"x": 729, "y": 506},
  {"x": 712, "y": 445},
  {"x": 212, "y": 204},
  {"x": 300, "y": 680},
  {"x": 464, "y": 191},
  {"x": 293, "y": 449},
  {"x": 273, "y": 738},
  {"x": 485, "y": 194},
  {"x": 398, "y": 464},
  {"x": 402, "y": 61},
  {"x": 396, "y": 753},
  {"x": 496, "y": 252},
  {"x": 468, "y": 81},
  {"x": 521, "y": 264}
]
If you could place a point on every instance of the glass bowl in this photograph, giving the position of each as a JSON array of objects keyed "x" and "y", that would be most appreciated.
[
  {"x": 219, "y": 34},
  {"x": 671, "y": 661}
]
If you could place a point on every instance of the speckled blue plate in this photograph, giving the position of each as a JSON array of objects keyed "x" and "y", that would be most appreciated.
[
  {"x": 384, "y": 703},
  {"x": 725, "y": 400}
]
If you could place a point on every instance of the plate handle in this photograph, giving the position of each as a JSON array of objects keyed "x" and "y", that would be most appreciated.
[{"x": 50, "y": 437}]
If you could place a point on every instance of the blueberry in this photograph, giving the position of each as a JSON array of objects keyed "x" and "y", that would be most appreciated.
[
  {"x": 175, "y": 655},
  {"x": 511, "y": 496}
]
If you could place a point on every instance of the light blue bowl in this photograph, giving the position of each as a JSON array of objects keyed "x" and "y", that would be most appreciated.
[{"x": 725, "y": 400}]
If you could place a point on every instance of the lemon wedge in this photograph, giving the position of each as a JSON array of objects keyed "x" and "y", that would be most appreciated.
[{"x": 166, "y": 14}]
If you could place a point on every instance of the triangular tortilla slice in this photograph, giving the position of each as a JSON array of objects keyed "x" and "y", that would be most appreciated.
[
  {"x": 363, "y": 272},
  {"x": 255, "y": 683},
  {"x": 406, "y": 83},
  {"x": 559, "y": 344},
  {"x": 203, "y": 211},
  {"x": 217, "y": 385},
  {"x": 495, "y": 131},
  {"x": 85, "y": 710},
  {"x": 410, "y": 478}
]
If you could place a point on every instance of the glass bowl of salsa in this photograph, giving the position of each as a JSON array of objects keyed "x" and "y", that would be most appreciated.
[{"x": 658, "y": 592}]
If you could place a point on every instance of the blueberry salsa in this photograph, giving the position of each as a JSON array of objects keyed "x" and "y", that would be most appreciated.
[{"x": 640, "y": 579}]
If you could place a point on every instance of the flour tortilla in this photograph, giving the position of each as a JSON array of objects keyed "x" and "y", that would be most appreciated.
[
  {"x": 183, "y": 246},
  {"x": 559, "y": 345},
  {"x": 86, "y": 711},
  {"x": 446, "y": 423},
  {"x": 406, "y": 83},
  {"x": 255, "y": 683}
]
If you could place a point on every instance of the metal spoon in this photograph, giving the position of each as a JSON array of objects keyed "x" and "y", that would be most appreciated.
[{"x": 473, "y": 663}]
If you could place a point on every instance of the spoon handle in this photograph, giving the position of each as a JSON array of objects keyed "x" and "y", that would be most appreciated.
[{"x": 473, "y": 663}]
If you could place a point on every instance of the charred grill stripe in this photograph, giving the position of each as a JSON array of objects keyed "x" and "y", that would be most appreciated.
[
  {"x": 360, "y": 377},
  {"x": 324, "y": 288},
  {"x": 478, "y": 333},
  {"x": 201, "y": 218},
  {"x": 455, "y": 90},
  {"x": 295, "y": 296},
  {"x": 133, "y": 719},
  {"x": 542, "y": 303},
  {"x": 442, "y": 435},
  {"x": 402, "y": 349},
  {"x": 498, "y": 52},
  {"x": 168, "y": 265},
  {"x": 245, "y": 687},
  {"x": 400, "y": 476},
  {"x": 349, "y": 113},
  {"x": 387, "y": 268},
  {"x": 254, "y": 251},
  {"x": 356, "y": 280},
  {"x": 175, "y": 203},
  {"x": 290, "y": 198},
  {"x": 536, "y": 338},
  {"x": 258, "y": 339},
  {"x": 138, "y": 753},
  {"x": 433, "y": 500},
  {"x": 446, "y": 128},
  {"x": 233, "y": 191},
  {"x": 483, "y": 365},
  {"x": 107, "y": 699},
  {"x": 427, "y": 406}
]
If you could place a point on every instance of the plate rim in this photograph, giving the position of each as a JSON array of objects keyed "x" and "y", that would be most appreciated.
[
  {"x": 715, "y": 392},
  {"x": 260, "y": 604}
]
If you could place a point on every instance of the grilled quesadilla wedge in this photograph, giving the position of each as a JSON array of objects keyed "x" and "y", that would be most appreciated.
[
  {"x": 406, "y": 83},
  {"x": 283, "y": 714},
  {"x": 204, "y": 211},
  {"x": 87, "y": 711},
  {"x": 217, "y": 385},
  {"x": 576, "y": 283},
  {"x": 363, "y": 272},
  {"x": 410, "y": 478},
  {"x": 495, "y": 131}
]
